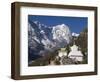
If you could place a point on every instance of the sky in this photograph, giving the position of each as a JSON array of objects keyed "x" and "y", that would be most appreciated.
[{"x": 75, "y": 24}]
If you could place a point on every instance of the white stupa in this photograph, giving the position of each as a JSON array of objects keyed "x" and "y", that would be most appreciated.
[
  {"x": 75, "y": 54},
  {"x": 62, "y": 52}
]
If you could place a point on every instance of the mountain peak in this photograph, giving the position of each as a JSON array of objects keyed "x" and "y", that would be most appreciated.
[
  {"x": 36, "y": 22},
  {"x": 63, "y": 25},
  {"x": 75, "y": 34},
  {"x": 61, "y": 33}
]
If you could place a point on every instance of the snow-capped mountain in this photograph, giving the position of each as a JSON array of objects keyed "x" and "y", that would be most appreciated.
[
  {"x": 42, "y": 38},
  {"x": 75, "y": 34},
  {"x": 61, "y": 34}
]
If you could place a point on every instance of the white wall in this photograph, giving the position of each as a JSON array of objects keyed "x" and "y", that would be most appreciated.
[{"x": 5, "y": 38}]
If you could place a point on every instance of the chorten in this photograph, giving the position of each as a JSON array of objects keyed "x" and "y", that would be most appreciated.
[
  {"x": 75, "y": 54},
  {"x": 62, "y": 52}
]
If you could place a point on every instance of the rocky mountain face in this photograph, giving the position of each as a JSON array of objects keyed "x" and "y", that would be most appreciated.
[
  {"x": 83, "y": 40},
  {"x": 43, "y": 39}
]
